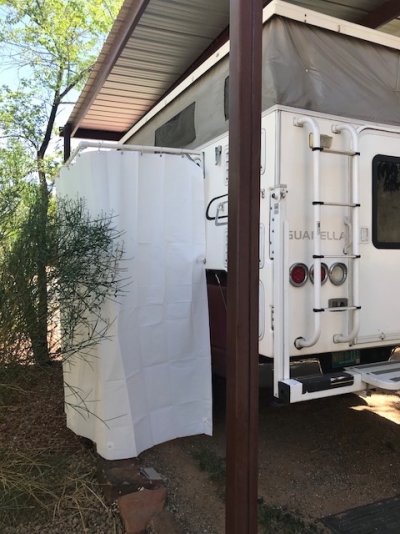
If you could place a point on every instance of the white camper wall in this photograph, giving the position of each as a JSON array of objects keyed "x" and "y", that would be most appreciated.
[
  {"x": 151, "y": 381},
  {"x": 287, "y": 163},
  {"x": 379, "y": 270},
  {"x": 378, "y": 284},
  {"x": 216, "y": 169}
]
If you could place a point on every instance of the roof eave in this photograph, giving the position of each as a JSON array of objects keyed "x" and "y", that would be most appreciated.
[{"x": 131, "y": 13}]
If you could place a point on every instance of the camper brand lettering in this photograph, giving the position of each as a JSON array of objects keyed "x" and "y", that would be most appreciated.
[{"x": 325, "y": 236}]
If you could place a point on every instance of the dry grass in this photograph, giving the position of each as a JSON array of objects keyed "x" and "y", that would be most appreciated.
[{"x": 47, "y": 477}]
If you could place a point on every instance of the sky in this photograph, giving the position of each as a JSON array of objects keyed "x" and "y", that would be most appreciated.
[{"x": 11, "y": 76}]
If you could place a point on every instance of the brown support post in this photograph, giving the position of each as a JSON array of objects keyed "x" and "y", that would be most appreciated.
[
  {"x": 243, "y": 265},
  {"x": 67, "y": 131}
]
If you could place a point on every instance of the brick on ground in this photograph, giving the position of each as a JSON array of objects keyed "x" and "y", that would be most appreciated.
[{"x": 139, "y": 508}]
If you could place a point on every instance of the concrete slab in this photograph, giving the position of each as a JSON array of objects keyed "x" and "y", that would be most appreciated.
[{"x": 381, "y": 517}]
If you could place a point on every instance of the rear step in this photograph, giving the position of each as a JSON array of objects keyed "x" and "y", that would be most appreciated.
[
  {"x": 324, "y": 382},
  {"x": 314, "y": 387},
  {"x": 383, "y": 375}
]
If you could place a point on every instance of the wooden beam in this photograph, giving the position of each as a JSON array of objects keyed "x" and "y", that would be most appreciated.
[
  {"x": 381, "y": 15},
  {"x": 243, "y": 266},
  {"x": 91, "y": 133},
  {"x": 101, "y": 135}
]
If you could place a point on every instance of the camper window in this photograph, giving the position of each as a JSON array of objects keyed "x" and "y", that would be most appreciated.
[
  {"x": 179, "y": 131},
  {"x": 226, "y": 98},
  {"x": 386, "y": 201}
]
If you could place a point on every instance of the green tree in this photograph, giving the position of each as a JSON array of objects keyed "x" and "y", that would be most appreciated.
[{"x": 53, "y": 43}]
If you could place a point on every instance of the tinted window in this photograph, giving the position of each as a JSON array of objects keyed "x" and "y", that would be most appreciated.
[
  {"x": 386, "y": 201},
  {"x": 226, "y": 98},
  {"x": 178, "y": 131}
]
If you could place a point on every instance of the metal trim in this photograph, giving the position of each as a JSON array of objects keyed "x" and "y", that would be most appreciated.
[
  {"x": 311, "y": 273},
  {"x": 298, "y": 264},
  {"x": 134, "y": 10},
  {"x": 330, "y": 271}
]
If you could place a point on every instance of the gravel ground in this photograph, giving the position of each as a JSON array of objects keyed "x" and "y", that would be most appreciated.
[
  {"x": 93, "y": 522},
  {"x": 315, "y": 459},
  {"x": 193, "y": 498}
]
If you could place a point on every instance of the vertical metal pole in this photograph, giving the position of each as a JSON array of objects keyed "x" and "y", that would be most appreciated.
[
  {"x": 243, "y": 265},
  {"x": 67, "y": 131}
]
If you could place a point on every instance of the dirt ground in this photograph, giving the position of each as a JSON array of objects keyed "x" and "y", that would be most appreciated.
[
  {"x": 315, "y": 459},
  {"x": 47, "y": 476}
]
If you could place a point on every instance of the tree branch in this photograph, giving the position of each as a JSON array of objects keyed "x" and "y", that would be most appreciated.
[
  {"x": 77, "y": 79},
  {"x": 52, "y": 117},
  {"x": 20, "y": 136}
]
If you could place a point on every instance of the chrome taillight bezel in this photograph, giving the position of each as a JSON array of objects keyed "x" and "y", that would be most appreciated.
[
  {"x": 343, "y": 267},
  {"x": 323, "y": 267},
  {"x": 306, "y": 273}
]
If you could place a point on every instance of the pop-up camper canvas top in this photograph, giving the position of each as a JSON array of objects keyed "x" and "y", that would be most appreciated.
[{"x": 311, "y": 61}]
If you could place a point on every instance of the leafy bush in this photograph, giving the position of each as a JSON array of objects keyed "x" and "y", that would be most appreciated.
[{"x": 83, "y": 255}]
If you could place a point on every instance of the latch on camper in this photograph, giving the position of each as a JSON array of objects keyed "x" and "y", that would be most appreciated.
[
  {"x": 279, "y": 192},
  {"x": 222, "y": 213}
]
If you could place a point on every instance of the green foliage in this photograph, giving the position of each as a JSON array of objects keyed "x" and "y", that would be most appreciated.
[
  {"x": 211, "y": 463},
  {"x": 274, "y": 519},
  {"x": 23, "y": 117},
  {"x": 85, "y": 273},
  {"x": 83, "y": 270},
  {"x": 15, "y": 189},
  {"x": 53, "y": 43},
  {"x": 58, "y": 40}
]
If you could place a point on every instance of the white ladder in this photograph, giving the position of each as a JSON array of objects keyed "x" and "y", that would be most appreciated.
[{"x": 354, "y": 255}]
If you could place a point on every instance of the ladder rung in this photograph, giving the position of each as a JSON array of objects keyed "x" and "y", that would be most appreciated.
[
  {"x": 337, "y": 256},
  {"x": 342, "y": 204},
  {"x": 340, "y": 152},
  {"x": 342, "y": 308}
]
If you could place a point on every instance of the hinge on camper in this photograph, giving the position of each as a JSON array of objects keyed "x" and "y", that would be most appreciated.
[
  {"x": 218, "y": 154},
  {"x": 272, "y": 317},
  {"x": 276, "y": 204}
]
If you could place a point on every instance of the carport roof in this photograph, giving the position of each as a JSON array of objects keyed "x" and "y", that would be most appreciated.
[{"x": 155, "y": 44}]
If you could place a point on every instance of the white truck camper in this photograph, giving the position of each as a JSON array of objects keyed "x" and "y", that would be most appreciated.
[{"x": 329, "y": 200}]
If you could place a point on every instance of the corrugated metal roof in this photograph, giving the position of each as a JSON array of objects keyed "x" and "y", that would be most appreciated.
[{"x": 153, "y": 43}]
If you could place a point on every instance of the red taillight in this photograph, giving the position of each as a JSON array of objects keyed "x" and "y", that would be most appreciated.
[
  {"x": 324, "y": 273},
  {"x": 298, "y": 274}
]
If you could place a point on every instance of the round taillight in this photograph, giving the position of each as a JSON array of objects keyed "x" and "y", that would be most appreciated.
[
  {"x": 324, "y": 273},
  {"x": 338, "y": 273},
  {"x": 298, "y": 274}
]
